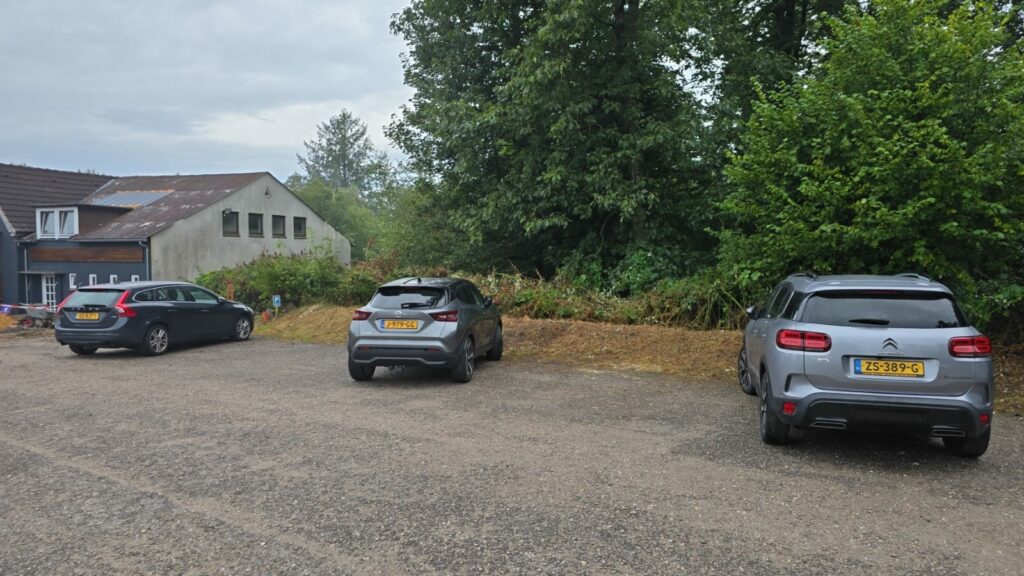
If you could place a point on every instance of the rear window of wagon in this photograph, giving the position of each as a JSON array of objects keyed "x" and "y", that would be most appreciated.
[
  {"x": 885, "y": 308},
  {"x": 104, "y": 297}
]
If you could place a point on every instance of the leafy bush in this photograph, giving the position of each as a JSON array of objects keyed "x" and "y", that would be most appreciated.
[{"x": 904, "y": 151}]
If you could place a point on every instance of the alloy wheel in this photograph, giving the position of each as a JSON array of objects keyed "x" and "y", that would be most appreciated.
[
  {"x": 158, "y": 340},
  {"x": 243, "y": 328}
]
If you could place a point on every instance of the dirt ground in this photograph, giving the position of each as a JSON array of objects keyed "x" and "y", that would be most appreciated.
[
  {"x": 263, "y": 457},
  {"x": 694, "y": 354}
]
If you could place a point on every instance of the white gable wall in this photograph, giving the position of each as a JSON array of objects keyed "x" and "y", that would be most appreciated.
[{"x": 197, "y": 244}]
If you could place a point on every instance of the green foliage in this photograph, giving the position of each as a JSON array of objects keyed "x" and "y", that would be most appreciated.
[
  {"x": 550, "y": 131},
  {"x": 342, "y": 156},
  {"x": 343, "y": 209},
  {"x": 301, "y": 279},
  {"x": 903, "y": 151}
]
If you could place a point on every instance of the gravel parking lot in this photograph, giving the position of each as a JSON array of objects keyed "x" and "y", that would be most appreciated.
[{"x": 263, "y": 457}]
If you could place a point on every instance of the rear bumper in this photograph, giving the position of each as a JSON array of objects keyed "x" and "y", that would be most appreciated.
[
  {"x": 123, "y": 337},
  {"x": 931, "y": 416},
  {"x": 430, "y": 353}
]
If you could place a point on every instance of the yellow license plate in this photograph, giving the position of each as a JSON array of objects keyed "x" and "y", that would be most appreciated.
[
  {"x": 902, "y": 368},
  {"x": 87, "y": 315},
  {"x": 400, "y": 324}
]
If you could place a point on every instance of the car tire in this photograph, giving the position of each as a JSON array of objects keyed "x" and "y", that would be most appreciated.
[
  {"x": 968, "y": 447},
  {"x": 82, "y": 350},
  {"x": 464, "y": 367},
  {"x": 156, "y": 341},
  {"x": 745, "y": 377},
  {"x": 498, "y": 348},
  {"x": 243, "y": 328},
  {"x": 359, "y": 372},
  {"x": 773, "y": 430}
]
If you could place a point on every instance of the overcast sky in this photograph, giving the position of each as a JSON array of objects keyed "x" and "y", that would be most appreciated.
[{"x": 178, "y": 86}]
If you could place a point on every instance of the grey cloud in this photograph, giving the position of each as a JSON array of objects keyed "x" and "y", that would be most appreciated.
[{"x": 85, "y": 76}]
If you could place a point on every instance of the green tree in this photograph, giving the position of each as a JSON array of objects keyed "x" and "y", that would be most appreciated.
[
  {"x": 342, "y": 208},
  {"x": 560, "y": 131},
  {"x": 903, "y": 151},
  {"x": 342, "y": 156}
]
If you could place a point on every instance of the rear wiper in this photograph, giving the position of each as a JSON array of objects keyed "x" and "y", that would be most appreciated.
[{"x": 874, "y": 321}]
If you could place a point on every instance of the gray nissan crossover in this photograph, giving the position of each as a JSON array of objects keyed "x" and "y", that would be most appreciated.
[
  {"x": 868, "y": 353},
  {"x": 434, "y": 322}
]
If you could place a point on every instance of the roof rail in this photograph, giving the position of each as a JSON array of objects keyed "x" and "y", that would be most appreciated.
[
  {"x": 914, "y": 275},
  {"x": 810, "y": 275}
]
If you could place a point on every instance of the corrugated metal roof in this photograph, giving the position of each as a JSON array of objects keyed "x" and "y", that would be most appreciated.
[
  {"x": 22, "y": 188},
  {"x": 180, "y": 197}
]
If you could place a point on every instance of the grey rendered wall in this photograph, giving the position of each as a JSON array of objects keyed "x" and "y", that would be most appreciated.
[
  {"x": 196, "y": 244},
  {"x": 8, "y": 267}
]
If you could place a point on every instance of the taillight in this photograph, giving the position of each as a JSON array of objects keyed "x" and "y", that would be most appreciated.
[
  {"x": 449, "y": 316},
  {"x": 63, "y": 302},
  {"x": 360, "y": 315},
  {"x": 806, "y": 341},
  {"x": 970, "y": 347},
  {"x": 124, "y": 310}
]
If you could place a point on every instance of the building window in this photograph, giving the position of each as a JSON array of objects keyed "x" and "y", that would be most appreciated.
[
  {"x": 299, "y": 227},
  {"x": 57, "y": 223},
  {"x": 277, "y": 226},
  {"x": 255, "y": 224},
  {"x": 135, "y": 277},
  {"x": 92, "y": 279},
  {"x": 230, "y": 223},
  {"x": 50, "y": 290},
  {"x": 113, "y": 278},
  {"x": 72, "y": 281}
]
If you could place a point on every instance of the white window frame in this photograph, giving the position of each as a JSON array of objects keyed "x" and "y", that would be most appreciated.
[
  {"x": 55, "y": 213},
  {"x": 113, "y": 278},
  {"x": 72, "y": 281},
  {"x": 92, "y": 279},
  {"x": 49, "y": 286},
  {"x": 135, "y": 278}
]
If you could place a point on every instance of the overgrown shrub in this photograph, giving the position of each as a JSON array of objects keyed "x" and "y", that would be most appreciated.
[{"x": 710, "y": 300}]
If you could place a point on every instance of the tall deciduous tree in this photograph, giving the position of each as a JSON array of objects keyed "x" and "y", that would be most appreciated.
[
  {"x": 561, "y": 130},
  {"x": 903, "y": 151}
]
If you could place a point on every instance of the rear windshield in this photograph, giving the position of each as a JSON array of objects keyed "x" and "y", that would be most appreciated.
[
  {"x": 411, "y": 297},
  {"x": 102, "y": 298},
  {"x": 883, "y": 308}
]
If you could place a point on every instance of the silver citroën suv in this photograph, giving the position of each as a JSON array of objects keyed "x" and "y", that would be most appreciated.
[{"x": 868, "y": 353}]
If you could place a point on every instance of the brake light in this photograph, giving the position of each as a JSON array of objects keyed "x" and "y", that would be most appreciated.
[
  {"x": 64, "y": 301},
  {"x": 449, "y": 316},
  {"x": 360, "y": 315},
  {"x": 789, "y": 408},
  {"x": 806, "y": 341},
  {"x": 970, "y": 347},
  {"x": 124, "y": 310}
]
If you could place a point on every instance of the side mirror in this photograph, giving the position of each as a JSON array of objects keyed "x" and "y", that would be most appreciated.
[
  {"x": 221, "y": 300},
  {"x": 488, "y": 302},
  {"x": 753, "y": 312}
]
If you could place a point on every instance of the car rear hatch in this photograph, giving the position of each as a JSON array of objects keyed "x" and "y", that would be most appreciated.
[
  {"x": 888, "y": 341},
  {"x": 413, "y": 312},
  {"x": 91, "y": 308}
]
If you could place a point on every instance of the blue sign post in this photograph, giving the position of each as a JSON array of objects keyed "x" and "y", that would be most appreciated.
[{"x": 276, "y": 301}]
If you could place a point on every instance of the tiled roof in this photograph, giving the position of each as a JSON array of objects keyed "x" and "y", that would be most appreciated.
[
  {"x": 23, "y": 188},
  {"x": 160, "y": 201}
]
